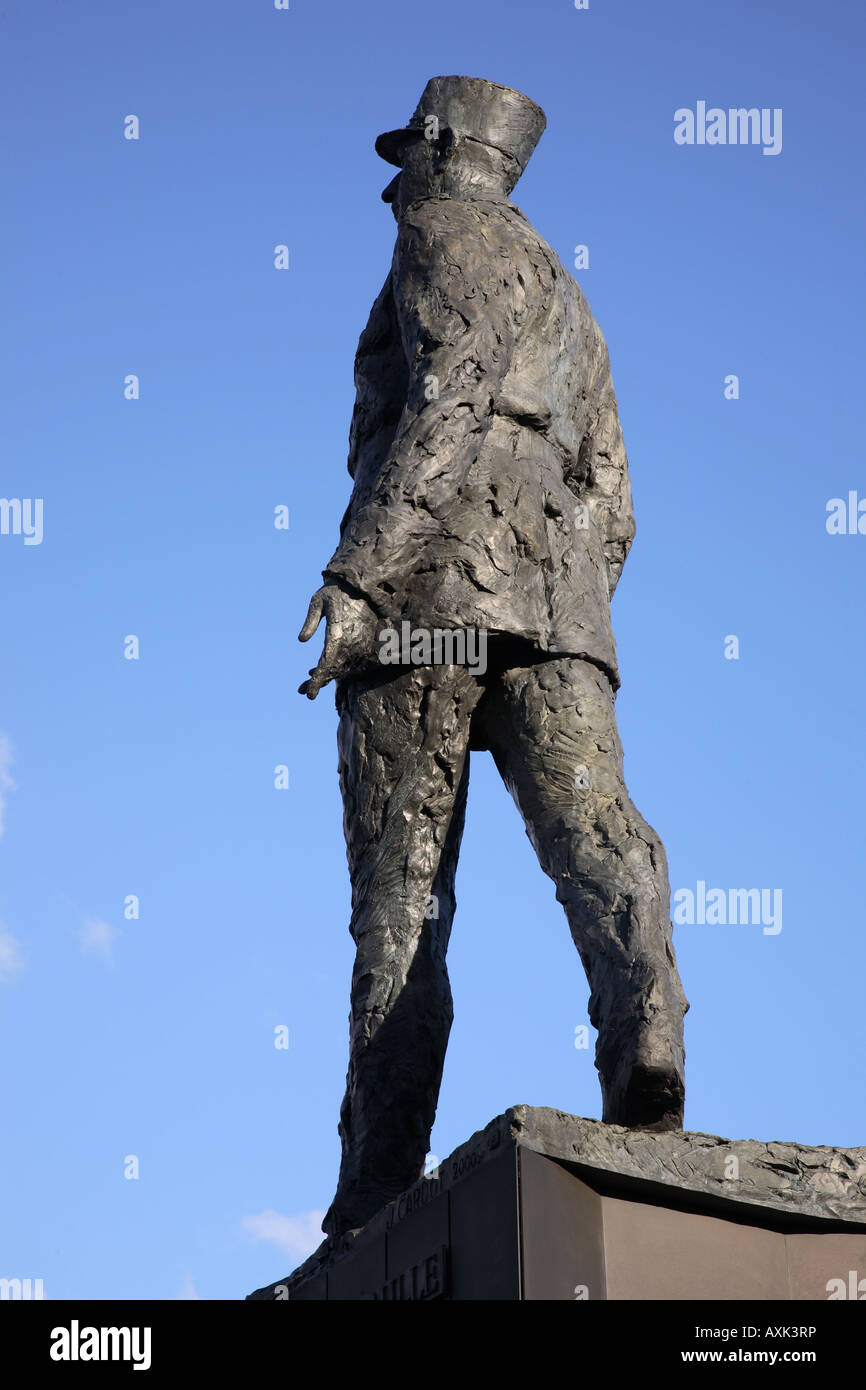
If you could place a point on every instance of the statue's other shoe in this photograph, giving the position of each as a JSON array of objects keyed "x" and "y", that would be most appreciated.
[
  {"x": 643, "y": 1085},
  {"x": 653, "y": 1098}
]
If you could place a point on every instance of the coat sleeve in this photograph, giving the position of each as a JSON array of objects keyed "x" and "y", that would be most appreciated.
[
  {"x": 604, "y": 467},
  {"x": 452, "y": 303}
]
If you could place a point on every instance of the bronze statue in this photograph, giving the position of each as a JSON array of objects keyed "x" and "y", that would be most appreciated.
[{"x": 491, "y": 498}]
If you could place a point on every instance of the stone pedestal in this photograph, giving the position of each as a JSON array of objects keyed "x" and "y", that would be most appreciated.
[{"x": 544, "y": 1205}]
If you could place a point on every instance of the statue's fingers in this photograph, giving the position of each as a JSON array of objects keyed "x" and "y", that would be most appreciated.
[
  {"x": 331, "y": 663},
  {"x": 313, "y": 618},
  {"x": 324, "y": 669},
  {"x": 312, "y": 687},
  {"x": 319, "y": 676}
]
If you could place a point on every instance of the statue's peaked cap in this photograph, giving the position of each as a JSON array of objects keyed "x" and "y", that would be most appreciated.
[{"x": 474, "y": 108}]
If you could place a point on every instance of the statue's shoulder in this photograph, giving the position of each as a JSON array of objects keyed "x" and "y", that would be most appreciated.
[
  {"x": 555, "y": 268},
  {"x": 477, "y": 227}
]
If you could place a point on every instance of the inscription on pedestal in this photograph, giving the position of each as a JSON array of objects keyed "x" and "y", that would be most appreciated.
[{"x": 425, "y": 1280}]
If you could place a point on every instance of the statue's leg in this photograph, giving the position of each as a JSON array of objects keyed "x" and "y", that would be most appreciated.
[
  {"x": 404, "y": 768},
  {"x": 552, "y": 730}
]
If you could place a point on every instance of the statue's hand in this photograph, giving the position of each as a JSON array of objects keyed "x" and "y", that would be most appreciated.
[{"x": 349, "y": 635}]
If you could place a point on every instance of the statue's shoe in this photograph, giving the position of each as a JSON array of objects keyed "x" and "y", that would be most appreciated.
[
  {"x": 653, "y": 1099},
  {"x": 644, "y": 1088}
]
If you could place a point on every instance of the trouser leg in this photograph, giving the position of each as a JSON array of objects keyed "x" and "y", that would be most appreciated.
[
  {"x": 404, "y": 766},
  {"x": 552, "y": 730}
]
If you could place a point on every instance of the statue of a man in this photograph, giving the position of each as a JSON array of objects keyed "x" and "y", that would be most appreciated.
[{"x": 491, "y": 497}]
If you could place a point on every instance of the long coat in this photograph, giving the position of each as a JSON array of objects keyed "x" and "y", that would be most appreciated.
[{"x": 491, "y": 480}]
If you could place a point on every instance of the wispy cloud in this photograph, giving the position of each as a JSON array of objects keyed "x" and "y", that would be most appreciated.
[
  {"x": 10, "y": 954},
  {"x": 6, "y": 782},
  {"x": 98, "y": 936},
  {"x": 297, "y": 1236},
  {"x": 188, "y": 1291}
]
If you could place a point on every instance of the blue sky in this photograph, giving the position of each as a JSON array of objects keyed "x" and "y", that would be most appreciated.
[{"x": 154, "y": 1037}]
